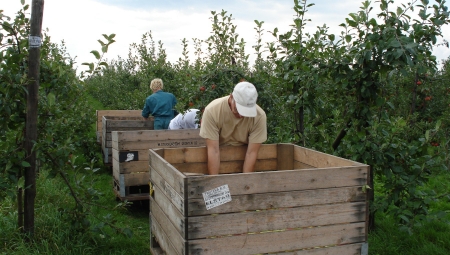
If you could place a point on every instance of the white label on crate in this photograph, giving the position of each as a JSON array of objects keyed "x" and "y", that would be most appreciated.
[{"x": 217, "y": 196}]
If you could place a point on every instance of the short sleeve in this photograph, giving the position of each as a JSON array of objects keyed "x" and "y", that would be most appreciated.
[
  {"x": 258, "y": 133},
  {"x": 209, "y": 128}
]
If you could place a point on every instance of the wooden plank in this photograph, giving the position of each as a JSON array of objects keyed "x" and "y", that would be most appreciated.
[
  {"x": 131, "y": 167},
  {"x": 347, "y": 249},
  {"x": 279, "y": 241},
  {"x": 168, "y": 143},
  {"x": 278, "y": 181},
  {"x": 142, "y": 154},
  {"x": 301, "y": 165},
  {"x": 172, "y": 213},
  {"x": 162, "y": 188},
  {"x": 276, "y": 219},
  {"x": 131, "y": 113},
  {"x": 162, "y": 238},
  {"x": 285, "y": 159},
  {"x": 321, "y": 160},
  {"x": 227, "y": 153},
  {"x": 169, "y": 229},
  {"x": 115, "y": 125},
  {"x": 172, "y": 176},
  {"x": 134, "y": 179},
  {"x": 227, "y": 167},
  {"x": 155, "y": 135},
  {"x": 267, "y": 201}
]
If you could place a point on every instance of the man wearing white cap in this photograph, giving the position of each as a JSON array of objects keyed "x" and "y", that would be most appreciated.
[{"x": 234, "y": 120}]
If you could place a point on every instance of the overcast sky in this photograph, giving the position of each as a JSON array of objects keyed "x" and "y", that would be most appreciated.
[{"x": 81, "y": 23}]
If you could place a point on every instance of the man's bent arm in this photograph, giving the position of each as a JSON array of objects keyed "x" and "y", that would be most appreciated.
[
  {"x": 250, "y": 157},
  {"x": 212, "y": 147}
]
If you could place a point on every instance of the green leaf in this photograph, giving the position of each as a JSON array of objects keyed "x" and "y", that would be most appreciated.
[
  {"x": 348, "y": 38},
  {"x": 51, "y": 99},
  {"x": 25, "y": 164},
  {"x": 22, "y": 2},
  {"x": 427, "y": 135},
  {"x": 96, "y": 54}
]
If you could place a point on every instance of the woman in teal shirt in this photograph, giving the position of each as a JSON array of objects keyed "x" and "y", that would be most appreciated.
[{"x": 160, "y": 105}]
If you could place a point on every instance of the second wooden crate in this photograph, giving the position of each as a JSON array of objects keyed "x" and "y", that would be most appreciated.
[
  {"x": 130, "y": 157},
  {"x": 118, "y": 113},
  {"x": 120, "y": 123}
]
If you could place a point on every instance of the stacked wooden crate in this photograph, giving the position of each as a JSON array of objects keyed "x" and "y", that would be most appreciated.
[
  {"x": 119, "y": 113},
  {"x": 298, "y": 201},
  {"x": 120, "y": 123},
  {"x": 130, "y": 157}
]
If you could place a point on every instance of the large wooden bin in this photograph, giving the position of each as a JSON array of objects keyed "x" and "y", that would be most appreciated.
[
  {"x": 119, "y": 113},
  {"x": 299, "y": 201},
  {"x": 120, "y": 123},
  {"x": 130, "y": 157}
]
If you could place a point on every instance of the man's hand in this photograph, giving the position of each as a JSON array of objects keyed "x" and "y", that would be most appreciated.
[{"x": 213, "y": 151}]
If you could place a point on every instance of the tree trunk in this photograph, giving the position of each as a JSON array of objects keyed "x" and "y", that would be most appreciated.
[{"x": 35, "y": 41}]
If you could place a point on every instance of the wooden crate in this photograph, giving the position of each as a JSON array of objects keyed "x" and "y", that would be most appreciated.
[
  {"x": 120, "y": 123},
  {"x": 130, "y": 157},
  {"x": 299, "y": 201},
  {"x": 119, "y": 113}
]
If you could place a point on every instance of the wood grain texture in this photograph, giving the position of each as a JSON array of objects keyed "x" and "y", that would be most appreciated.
[
  {"x": 320, "y": 159},
  {"x": 154, "y": 135},
  {"x": 279, "y": 241},
  {"x": 171, "y": 211},
  {"x": 163, "y": 191},
  {"x": 163, "y": 238},
  {"x": 274, "y": 219},
  {"x": 266, "y": 201},
  {"x": 169, "y": 174},
  {"x": 169, "y": 229},
  {"x": 279, "y": 181}
]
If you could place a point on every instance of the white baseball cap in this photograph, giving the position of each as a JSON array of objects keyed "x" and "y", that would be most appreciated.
[{"x": 245, "y": 95}]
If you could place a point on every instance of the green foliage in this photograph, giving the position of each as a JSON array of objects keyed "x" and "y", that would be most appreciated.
[
  {"x": 372, "y": 94},
  {"x": 355, "y": 95},
  {"x": 63, "y": 113}
]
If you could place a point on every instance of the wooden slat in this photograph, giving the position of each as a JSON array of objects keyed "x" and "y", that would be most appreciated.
[
  {"x": 279, "y": 241},
  {"x": 131, "y": 167},
  {"x": 135, "y": 179},
  {"x": 227, "y": 153},
  {"x": 162, "y": 238},
  {"x": 301, "y": 165},
  {"x": 131, "y": 113},
  {"x": 169, "y": 174},
  {"x": 227, "y": 167},
  {"x": 266, "y": 201},
  {"x": 163, "y": 191},
  {"x": 142, "y": 154},
  {"x": 285, "y": 159},
  {"x": 155, "y": 135},
  {"x": 276, "y": 219},
  {"x": 169, "y": 229},
  {"x": 348, "y": 249},
  {"x": 321, "y": 160},
  {"x": 169, "y": 143},
  {"x": 127, "y": 124},
  {"x": 278, "y": 181},
  {"x": 172, "y": 213}
]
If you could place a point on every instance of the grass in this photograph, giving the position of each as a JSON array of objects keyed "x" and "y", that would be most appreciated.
[{"x": 54, "y": 234}]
